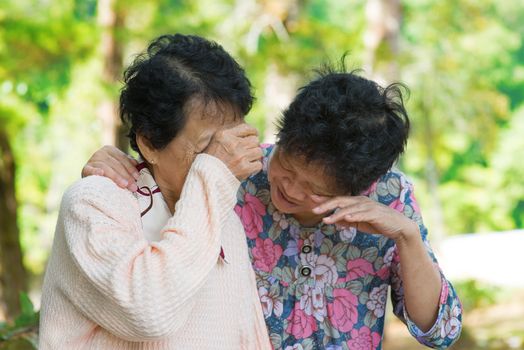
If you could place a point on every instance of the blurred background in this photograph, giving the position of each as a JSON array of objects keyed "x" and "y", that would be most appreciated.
[{"x": 61, "y": 63}]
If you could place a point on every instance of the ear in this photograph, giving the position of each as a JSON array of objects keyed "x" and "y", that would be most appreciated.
[{"x": 147, "y": 151}]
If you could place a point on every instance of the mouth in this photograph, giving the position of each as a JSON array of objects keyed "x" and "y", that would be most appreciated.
[{"x": 285, "y": 198}]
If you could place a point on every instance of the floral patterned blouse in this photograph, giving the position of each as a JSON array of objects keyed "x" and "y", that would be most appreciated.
[{"x": 324, "y": 288}]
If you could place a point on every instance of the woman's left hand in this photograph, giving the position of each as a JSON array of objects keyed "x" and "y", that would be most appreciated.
[{"x": 365, "y": 215}]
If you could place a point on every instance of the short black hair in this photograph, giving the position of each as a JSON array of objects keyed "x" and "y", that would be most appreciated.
[
  {"x": 351, "y": 126},
  {"x": 174, "y": 69}
]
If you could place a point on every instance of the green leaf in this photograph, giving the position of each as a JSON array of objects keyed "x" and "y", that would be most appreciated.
[
  {"x": 307, "y": 344},
  {"x": 251, "y": 188},
  {"x": 353, "y": 252},
  {"x": 378, "y": 263},
  {"x": 370, "y": 254},
  {"x": 276, "y": 340},
  {"x": 264, "y": 196},
  {"x": 26, "y": 304},
  {"x": 275, "y": 231},
  {"x": 363, "y": 297},
  {"x": 355, "y": 287},
  {"x": 326, "y": 247}
]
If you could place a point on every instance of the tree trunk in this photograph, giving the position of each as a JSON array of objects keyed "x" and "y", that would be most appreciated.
[
  {"x": 383, "y": 20},
  {"x": 13, "y": 277},
  {"x": 111, "y": 18}
]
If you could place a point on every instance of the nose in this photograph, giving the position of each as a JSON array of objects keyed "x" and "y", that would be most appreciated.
[{"x": 293, "y": 190}]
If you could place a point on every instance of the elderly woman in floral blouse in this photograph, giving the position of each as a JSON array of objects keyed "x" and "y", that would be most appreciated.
[{"x": 331, "y": 224}]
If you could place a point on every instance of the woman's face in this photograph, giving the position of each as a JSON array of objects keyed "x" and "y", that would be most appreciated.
[
  {"x": 293, "y": 182},
  {"x": 172, "y": 164}
]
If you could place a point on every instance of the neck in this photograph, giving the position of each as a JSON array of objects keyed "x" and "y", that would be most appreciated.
[
  {"x": 171, "y": 192},
  {"x": 171, "y": 198},
  {"x": 308, "y": 219}
]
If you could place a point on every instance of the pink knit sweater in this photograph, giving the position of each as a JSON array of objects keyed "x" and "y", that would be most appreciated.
[{"x": 107, "y": 287}]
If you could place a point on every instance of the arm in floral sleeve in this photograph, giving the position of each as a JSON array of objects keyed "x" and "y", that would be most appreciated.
[{"x": 447, "y": 327}]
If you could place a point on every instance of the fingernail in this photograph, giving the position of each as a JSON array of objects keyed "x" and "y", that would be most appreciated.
[
  {"x": 123, "y": 183},
  {"x": 316, "y": 210},
  {"x": 133, "y": 187},
  {"x": 136, "y": 175}
]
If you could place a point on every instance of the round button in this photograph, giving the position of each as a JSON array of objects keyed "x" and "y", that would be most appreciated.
[
  {"x": 305, "y": 271},
  {"x": 306, "y": 249}
]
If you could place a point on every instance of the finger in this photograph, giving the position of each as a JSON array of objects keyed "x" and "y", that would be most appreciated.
[
  {"x": 357, "y": 222},
  {"x": 361, "y": 225},
  {"x": 244, "y": 130},
  {"x": 128, "y": 162},
  {"x": 338, "y": 215},
  {"x": 110, "y": 173},
  {"x": 254, "y": 168},
  {"x": 121, "y": 170},
  {"x": 89, "y": 170},
  {"x": 331, "y": 204},
  {"x": 133, "y": 187},
  {"x": 250, "y": 141},
  {"x": 319, "y": 199},
  {"x": 254, "y": 154}
]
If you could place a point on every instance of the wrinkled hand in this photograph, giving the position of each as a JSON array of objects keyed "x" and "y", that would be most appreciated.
[
  {"x": 365, "y": 215},
  {"x": 239, "y": 149},
  {"x": 111, "y": 162}
]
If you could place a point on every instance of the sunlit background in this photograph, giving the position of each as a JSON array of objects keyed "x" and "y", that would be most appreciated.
[{"x": 60, "y": 68}]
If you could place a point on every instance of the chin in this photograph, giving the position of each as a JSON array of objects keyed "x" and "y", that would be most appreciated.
[{"x": 281, "y": 209}]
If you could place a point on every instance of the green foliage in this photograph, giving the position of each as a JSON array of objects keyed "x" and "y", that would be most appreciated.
[
  {"x": 475, "y": 294},
  {"x": 463, "y": 61},
  {"x": 22, "y": 334}
]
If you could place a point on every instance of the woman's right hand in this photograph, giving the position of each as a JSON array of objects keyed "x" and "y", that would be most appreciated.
[
  {"x": 239, "y": 149},
  {"x": 111, "y": 162}
]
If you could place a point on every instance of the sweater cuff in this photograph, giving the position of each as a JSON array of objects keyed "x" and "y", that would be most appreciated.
[
  {"x": 211, "y": 166},
  {"x": 435, "y": 328}
]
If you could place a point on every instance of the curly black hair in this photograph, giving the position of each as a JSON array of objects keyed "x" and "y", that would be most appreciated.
[
  {"x": 349, "y": 125},
  {"x": 161, "y": 82}
]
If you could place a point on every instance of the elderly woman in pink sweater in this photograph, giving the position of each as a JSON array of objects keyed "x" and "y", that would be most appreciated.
[{"x": 166, "y": 267}]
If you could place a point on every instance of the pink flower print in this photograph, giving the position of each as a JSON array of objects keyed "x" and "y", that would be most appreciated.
[
  {"x": 363, "y": 339},
  {"x": 301, "y": 325},
  {"x": 358, "y": 268},
  {"x": 266, "y": 254},
  {"x": 324, "y": 268},
  {"x": 377, "y": 300},
  {"x": 370, "y": 190},
  {"x": 270, "y": 303},
  {"x": 251, "y": 215},
  {"x": 383, "y": 273},
  {"x": 444, "y": 292},
  {"x": 312, "y": 302},
  {"x": 343, "y": 311},
  {"x": 397, "y": 204}
]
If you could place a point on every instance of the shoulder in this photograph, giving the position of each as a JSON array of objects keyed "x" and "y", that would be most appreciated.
[
  {"x": 260, "y": 179},
  {"x": 267, "y": 148},
  {"x": 257, "y": 185},
  {"x": 389, "y": 187},
  {"x": 97, "y": 191}
]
